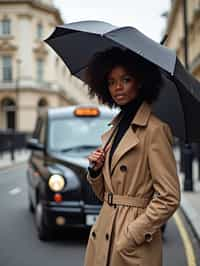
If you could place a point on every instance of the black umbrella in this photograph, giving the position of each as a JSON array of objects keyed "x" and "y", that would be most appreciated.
[{"x": 179, "y": 101}]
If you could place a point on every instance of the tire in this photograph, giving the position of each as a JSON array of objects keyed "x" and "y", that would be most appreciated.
[
  {"x": 44, "y": 232},
  {"x": 30, "y": 205}
]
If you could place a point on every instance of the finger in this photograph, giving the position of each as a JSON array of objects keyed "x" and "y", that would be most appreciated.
[
  {"x": 99, "y": 164},
  {"x": 92, "y": 158},
  {"x": 95, "y": 158},
  {"x": 99, "y": 150},
  {"x": 98, "y": 153},
  {"x": 101, "y": 160}
]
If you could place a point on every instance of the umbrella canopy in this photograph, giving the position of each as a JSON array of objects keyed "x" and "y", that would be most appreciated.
[{"x": 179, "y": 101}]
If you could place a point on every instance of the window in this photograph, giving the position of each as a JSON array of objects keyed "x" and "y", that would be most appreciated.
[
  {"x": 5, "y": 27},
  {"x": 40, "y": 70},
  {"x": 9, "y": 112},
  {"x": 7, "y": 68},
  {"x": 39, "y": 31},
  {"x": 63, "y": 133}
]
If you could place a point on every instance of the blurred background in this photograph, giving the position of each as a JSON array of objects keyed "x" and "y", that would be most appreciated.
[{"x": 33, "y": 78}]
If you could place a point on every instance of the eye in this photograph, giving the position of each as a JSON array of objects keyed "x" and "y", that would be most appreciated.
[
  {"x": 127, "y": 79},
  {"x": 111, "y": 82}
]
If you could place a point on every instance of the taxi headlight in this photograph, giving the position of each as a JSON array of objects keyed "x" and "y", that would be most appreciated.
[{"x": 56, "y": 183}]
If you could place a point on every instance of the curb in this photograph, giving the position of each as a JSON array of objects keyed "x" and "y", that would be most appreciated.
[
  {"x": 21, "y": 157},
  {"x": 191, "y": 215},
  {"x": 12, "y": 165}
]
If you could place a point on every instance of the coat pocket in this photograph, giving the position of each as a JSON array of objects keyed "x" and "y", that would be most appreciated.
[{"x": 125, "y": 242}]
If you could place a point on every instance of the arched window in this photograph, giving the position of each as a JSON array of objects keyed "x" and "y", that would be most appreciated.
[{"x": 8, "y": 110}]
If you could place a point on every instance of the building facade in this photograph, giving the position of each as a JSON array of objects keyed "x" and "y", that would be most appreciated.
[
  {"x": 32, "y": 76},
  {"x": 175, "y": 31}
]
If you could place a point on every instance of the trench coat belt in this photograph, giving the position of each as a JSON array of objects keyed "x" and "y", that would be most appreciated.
[{"x": 114, "y": 200}]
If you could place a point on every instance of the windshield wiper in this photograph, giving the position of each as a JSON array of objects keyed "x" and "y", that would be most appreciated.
[{"x": 79, "y": 147}]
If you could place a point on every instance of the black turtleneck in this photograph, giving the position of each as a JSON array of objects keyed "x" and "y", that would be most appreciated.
[{"x": 128, "y": 112}]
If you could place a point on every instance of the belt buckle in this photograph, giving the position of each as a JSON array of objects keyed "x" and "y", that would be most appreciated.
[{"x": 110, "y": 198}]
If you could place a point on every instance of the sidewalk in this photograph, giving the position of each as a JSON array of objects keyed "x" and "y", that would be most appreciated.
[
  {"x": 20, "y": 157},
  {"x": 190, "y": 201}
]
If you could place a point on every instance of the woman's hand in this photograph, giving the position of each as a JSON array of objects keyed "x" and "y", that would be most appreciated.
[
  {"x": 98, "y": 157},
  {"x": 124, "y": 243}
]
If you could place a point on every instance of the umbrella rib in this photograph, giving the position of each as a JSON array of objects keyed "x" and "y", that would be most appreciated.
[
  {"x": 184, "y": 117},
  {"x": 51, "y": 37}
]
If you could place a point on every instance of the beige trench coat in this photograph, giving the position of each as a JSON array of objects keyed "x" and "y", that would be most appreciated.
[{"x": 143, "y": 169}]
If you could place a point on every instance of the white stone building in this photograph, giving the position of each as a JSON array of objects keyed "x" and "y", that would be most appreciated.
[
  {"x": 32, "y": 76},
  {"x": 175, "y": 31}
]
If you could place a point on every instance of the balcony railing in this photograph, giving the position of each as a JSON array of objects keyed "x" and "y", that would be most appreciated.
[{"x": 29, "y": 83}]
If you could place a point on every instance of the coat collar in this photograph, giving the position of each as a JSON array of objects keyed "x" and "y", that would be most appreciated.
[{"x": 141, "y": 117}]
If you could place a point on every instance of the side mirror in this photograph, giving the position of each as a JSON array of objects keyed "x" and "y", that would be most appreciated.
[{"x": 33, "y": 144}]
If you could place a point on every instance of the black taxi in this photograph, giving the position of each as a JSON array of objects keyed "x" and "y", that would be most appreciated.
[{"x": 58, "y": 192}]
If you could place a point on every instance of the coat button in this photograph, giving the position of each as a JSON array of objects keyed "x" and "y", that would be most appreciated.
[
  {"x": 93, "y": 234},
  {"x": 123, "y": 168},
  {"x": 148, "y": 237},
  {"x": 107, "y": 236}
]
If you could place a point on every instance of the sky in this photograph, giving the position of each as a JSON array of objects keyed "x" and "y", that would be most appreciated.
[{"x": 144, "y": 15}]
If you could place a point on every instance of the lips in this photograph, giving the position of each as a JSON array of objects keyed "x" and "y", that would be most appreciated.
[{"x": 119, "y": 96}]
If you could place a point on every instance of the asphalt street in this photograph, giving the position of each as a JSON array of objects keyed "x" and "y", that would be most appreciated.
[{"x": 19, "y": 245}]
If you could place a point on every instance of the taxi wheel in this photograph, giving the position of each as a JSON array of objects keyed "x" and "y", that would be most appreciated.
[
  {"x": 44, "y": 233},
  {"x": 30, "y": 205}
]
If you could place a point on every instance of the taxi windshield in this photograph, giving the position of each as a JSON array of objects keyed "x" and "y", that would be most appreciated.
[{"x": 71, "y": 133}]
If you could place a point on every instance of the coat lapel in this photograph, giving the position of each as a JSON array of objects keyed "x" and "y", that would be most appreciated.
[
  {"x": 105, "y": 138},
  {"x": 128, "y": 142},
  {"x": 130, "y": 139},
  {"x": 106, "y": 171}
]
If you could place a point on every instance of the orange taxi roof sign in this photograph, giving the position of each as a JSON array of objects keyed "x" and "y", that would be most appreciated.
[{"x": 86, "y": 111}]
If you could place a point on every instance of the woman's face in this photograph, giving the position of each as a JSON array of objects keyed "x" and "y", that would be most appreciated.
[{"x": 122, "y": 86}]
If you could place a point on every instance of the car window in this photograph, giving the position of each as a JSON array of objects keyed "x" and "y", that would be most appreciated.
[{"x": 73, "y": 132}]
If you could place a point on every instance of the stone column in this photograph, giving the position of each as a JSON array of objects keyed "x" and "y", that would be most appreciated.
[{"x": 25, "y": 38}]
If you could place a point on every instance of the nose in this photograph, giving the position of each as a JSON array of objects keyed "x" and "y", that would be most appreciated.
[{"x": 119, "y": 84}]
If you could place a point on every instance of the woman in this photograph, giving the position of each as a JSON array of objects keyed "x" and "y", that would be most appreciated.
[{"x": 135, "y": 174}]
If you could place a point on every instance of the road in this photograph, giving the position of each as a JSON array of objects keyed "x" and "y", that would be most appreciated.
[{"x": 19, "y": 245}]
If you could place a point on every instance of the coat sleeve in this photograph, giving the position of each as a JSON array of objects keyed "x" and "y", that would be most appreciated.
[
  {"x": 166, "y": 186},
  {"x": 97, "y": 184}
]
